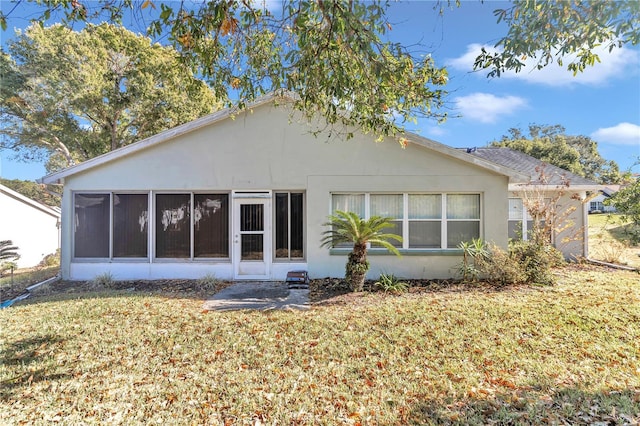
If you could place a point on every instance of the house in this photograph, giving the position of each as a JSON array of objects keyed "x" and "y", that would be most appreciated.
[
  {"x": 33, "y": 227},
  {"x": 596, "y": 204},
  {"x": 566, "y": 193},
  {"x": 245, "y": 195}
]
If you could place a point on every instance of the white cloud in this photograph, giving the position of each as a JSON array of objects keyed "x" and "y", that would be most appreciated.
[
  {"x": 436, "y": 131},
  {"x": 488, "y": 108},
  {"x": 614, "y": 63},
  {"x": 620, "y": 134}
]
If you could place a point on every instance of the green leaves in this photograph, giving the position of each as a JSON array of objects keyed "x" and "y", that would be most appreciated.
[
  {"x": 69, "y": 96},
  {"x": 348, "y": 227},
  {"x": 551, "y": 31},
  {"x": 551, "y": 144},
  {"x": 330, "y": 54},
  {"x": 627, "y": 202}
]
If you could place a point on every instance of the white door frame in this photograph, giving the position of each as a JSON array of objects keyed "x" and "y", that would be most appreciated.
[{"x": 252, "y": 269}]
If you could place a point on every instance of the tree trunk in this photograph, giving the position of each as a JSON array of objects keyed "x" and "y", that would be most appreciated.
[{"x": 357, "y": 267}]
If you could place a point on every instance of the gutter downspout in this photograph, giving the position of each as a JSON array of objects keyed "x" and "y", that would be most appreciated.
[{"x": 585, "y": 226}]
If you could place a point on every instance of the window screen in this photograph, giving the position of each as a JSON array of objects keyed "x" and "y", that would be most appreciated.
[
  {"x": 91, "y": 225},
  {"x": 130, "y": 225},
  {"x": 173, "y": 232},
  {"x": 211, "y": 225}
]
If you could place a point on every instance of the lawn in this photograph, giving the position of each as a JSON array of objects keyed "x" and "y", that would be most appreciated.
[
  {"x": 566, "y": 354},
  {"x": 610, "y": 240}
]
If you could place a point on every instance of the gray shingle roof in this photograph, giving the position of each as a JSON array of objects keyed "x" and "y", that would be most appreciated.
[{"x": 530, "y": 166}]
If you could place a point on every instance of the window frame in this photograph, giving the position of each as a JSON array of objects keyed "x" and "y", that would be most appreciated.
[
  {"x": 405, "y": 220},
  {"x": 151, "y": 228}
]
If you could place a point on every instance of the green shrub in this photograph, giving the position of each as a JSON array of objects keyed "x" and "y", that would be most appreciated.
[
  {"x": 7, "y": 267},
  {"x": 52, "y": 259},
  {"x": 501, "y": 268},
  {"x": 474, "y": 255},
  {"x": 391, "y": 284},
  {"x": 536, "y": 260}
]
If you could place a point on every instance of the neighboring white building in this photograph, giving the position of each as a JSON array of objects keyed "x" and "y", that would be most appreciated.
[
  {"x": 597, "y": 205},
  {"x": 245, "y": 195},
  {"x": 33, "y": 227}
]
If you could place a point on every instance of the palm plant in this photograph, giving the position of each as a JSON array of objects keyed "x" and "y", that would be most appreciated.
[
  {"x": 348, "y": 227},
  {"x": 8, "y": 251}
]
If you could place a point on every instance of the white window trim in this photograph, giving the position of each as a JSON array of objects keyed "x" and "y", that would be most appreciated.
[{"x": 405, "y": 217}]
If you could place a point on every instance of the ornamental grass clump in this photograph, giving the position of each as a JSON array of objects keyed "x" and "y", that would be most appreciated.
[{"x": 389, "y": 283}]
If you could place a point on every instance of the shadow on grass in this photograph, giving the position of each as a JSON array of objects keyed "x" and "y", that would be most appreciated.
[
  {"x": 566, "y": 406},
  {"x": 27, "y": 357},
  {"x": 75, "y": 290},
  {"x": 628, "y": 233}
]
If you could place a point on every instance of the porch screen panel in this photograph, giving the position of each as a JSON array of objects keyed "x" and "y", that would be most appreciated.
[
  {"x": 252, "y": 247},
  {"x": 173, "y": 234},
  {"x": 251, "y": 217},
  {"x": 391, "y": 206},
  {"x": 297, "y": 226},
  {"x": 463, "y": 218},
  {"x": 425, "y": 221},
  {"x": 282, "y": 225},
  {"x": 211, "y": 225},
  {"x": 91, "y": 225},
  {"x": 289, "y": 217},
  {"x": 130, "y": 225}
]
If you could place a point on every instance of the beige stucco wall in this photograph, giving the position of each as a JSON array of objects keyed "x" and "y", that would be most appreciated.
[
  {"x": 263, "y": 150},
  {"x": 31, "y": 229}
]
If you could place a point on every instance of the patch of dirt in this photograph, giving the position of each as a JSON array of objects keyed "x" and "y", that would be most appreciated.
[
  {"x": 333, "y": 291},
  {"x": 325, "y": 291}
]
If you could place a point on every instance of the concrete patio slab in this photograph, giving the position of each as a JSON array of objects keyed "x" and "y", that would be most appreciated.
[{"x": 263, "y": 295}]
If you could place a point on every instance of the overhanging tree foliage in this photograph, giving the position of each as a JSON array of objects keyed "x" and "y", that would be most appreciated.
[
  {"x": 334, "y": 54},
  {"x": 32, "y": 190},
  {"x": 68, "y": 96},
  {"x": 331, "y": 54},
  {"x": 577, "y": 154},
  {"x": 552, "y": 31}
]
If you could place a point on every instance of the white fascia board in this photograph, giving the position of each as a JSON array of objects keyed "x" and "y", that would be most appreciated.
[
  {"x": 550, "y": 188},
  {"x": 26, "y": 200}
]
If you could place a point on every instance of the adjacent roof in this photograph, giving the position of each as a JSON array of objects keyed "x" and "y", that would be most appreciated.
[
  {"x": 58, "y": 177},
  {"x": 539, "y": 172},
  {"x": 28, "y": 201}
]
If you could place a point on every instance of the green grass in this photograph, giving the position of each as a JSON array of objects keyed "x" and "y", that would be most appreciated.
[{"x": 568, "y": 353}]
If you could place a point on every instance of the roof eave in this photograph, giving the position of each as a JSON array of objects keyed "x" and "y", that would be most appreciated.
[{"x": 26, "y": 200}]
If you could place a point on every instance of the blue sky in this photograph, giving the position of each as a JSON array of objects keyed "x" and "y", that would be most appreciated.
[{"x": 603, "y": 102}]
